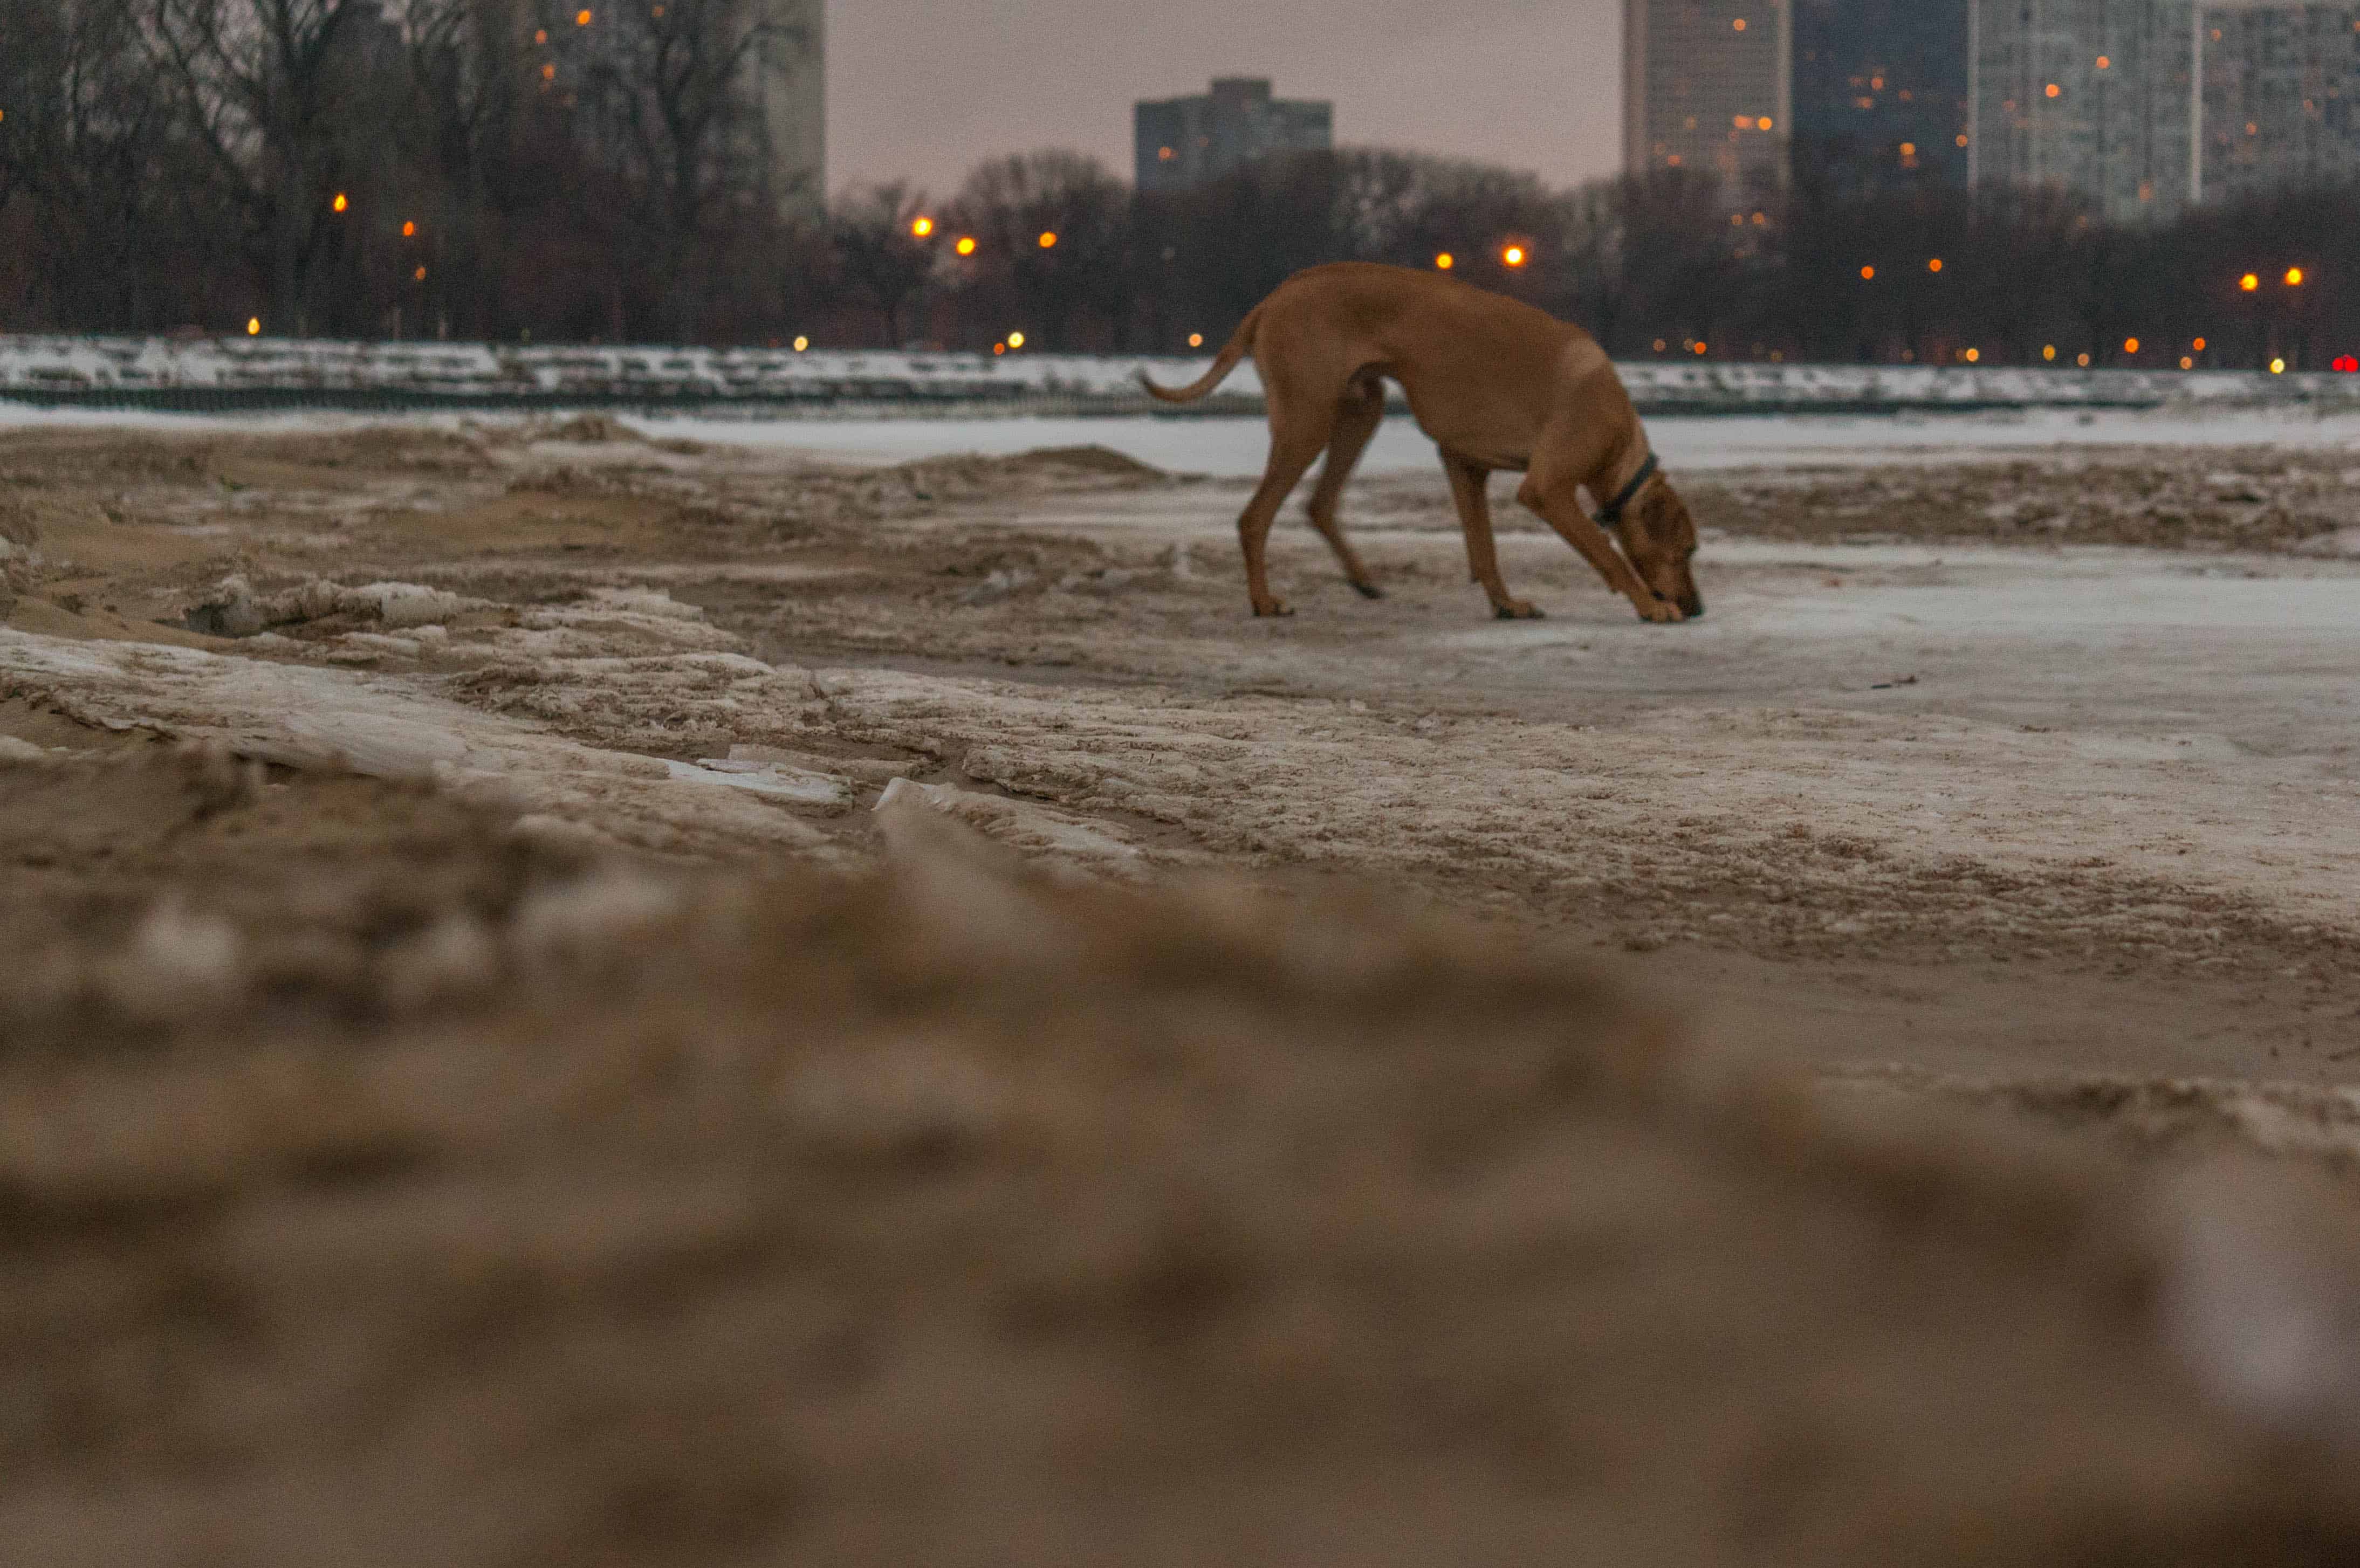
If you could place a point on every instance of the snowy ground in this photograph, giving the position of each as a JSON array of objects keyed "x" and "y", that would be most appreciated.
[
  {"x": 2021, "y": 745},
  {"x": 1234, "y": 447},
  {"x": 461, "y": 1070}
]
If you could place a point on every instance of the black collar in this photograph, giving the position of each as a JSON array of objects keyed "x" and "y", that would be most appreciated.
[{"x": 1613, "y": 512}]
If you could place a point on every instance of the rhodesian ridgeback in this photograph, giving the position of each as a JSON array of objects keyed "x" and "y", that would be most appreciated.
[{"x": 1497, "y": 384}]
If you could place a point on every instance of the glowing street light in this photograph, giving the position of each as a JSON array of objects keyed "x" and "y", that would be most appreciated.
[
  {"x": 1016, "y": 340},
  {"x": 2250, "y": 282},
  {"x": 802, "y": 344},
  {"x": 1195, "y": 339},
  {"x": 2294, "y": 278},
  {"x": 2130, "y": 346},
  {"x": 1513, "y": 255},
  {"x": 340, "y": 203},
  {"x": 582, "y": 18},
  {"x": 966, "y": 244},
  {"x": 409, "y": 231},
  {"x": 1974, "y": 355},
  {"x": 1868, "y": 275},
  {"x": 1049, "y": 240},
  {"x": 2049, "y": 353},
  {"x": 253, "y": 326},
  {"x": 1935, "y": 264},
  {"x": 2278, "y": 367},
  {"x": 921, "y": 228},
  {"x": 1445, "y": 262}
]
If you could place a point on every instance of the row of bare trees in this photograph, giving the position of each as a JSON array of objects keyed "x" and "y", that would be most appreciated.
[
  {"x": 507, "y": 168},
  {"x": 480, "y": 167},
  {"x": 1674, "y": 265}
]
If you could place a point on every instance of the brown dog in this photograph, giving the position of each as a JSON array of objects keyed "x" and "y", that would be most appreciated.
[{"x": 1497, "y": 384}]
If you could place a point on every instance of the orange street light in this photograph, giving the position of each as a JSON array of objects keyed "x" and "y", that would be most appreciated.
[
  {"x": 1513, "y": 255},
  {"x": 2250, "y": 282},
  {"x": 340, "y": 203},
  {"x": 802, "y": 344},
  {"x": 921, "y": 228},
  {"x": 1016, "y": 340},
  {"x": 1973, "y": 354},
  {"x": 253, "y": 326},
  {"x": 418, "y": 276},
  {"x": 1935, "y": 264},
  {"x": 966, "y": 244},
  {"x": 2294, "y": 277},
  {"x": 1195, "y": 339},
  {"x": 580, "y": 18},
  {"x": 1445, "y": 262},
  {"x": 1867, "y": 274},
  {"x": 409, "y": 231},
  {"x": 2130, "y": 346},
  {"x": 1049, "y": 240}
]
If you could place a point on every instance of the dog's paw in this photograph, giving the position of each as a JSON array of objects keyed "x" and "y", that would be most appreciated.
[
  {"x": 1518, "y": 610},
  {"x": 1661, "y": 613},
  {"x": 1277, "y": 608}
]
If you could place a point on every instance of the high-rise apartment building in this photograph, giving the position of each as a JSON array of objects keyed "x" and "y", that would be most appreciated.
[
  {"x": 1881, "y": 95},
  {"x": 2098, "y": 98},
  {"x": 787, "y": 87},
  {"x": 1185, "y": 142},
  {"x": 1709, "y": 85},
  {"x": 2282, "y": 103}
]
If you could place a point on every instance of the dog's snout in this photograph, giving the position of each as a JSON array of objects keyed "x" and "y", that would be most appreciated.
[{"x": 1693, "y": 606}]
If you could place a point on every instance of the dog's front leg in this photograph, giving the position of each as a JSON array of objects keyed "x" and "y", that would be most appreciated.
[{"x": 1560, "y": 506}]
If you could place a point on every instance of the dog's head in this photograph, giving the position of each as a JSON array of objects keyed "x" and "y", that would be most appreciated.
[{"x": 1660, "y": 538}]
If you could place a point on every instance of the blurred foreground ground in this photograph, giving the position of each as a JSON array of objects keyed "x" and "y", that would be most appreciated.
[{"x": 483, "y": 1082}]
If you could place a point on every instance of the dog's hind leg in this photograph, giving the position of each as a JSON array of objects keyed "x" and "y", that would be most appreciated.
[
  {"x": 1467, "y": 483},
  {"x": 1357, "y": 417}
]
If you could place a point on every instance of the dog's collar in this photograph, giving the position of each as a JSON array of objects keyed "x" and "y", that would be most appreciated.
[{"x": 1614, "y": 509}]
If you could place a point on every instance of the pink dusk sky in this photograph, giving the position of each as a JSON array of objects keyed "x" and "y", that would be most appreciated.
[{"x": 922, "y": 90}]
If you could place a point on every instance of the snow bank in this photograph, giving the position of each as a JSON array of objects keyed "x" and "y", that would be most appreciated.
[{"x": 277, "y": 372}]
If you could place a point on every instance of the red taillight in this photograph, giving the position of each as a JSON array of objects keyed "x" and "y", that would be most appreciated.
[{"x": 2348, "y": 366}]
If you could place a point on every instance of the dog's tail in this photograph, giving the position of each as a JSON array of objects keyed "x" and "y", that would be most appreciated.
[{"x": 1240, "y": 345}]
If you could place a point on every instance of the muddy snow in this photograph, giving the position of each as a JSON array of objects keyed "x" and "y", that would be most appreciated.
[{"x": 891, "y": 957}]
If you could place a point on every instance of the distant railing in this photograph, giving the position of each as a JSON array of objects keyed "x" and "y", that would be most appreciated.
[{"x": 261, "y": 375}]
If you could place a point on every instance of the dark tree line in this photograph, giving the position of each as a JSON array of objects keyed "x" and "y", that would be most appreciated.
[{"x": 497, "y": 168}]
